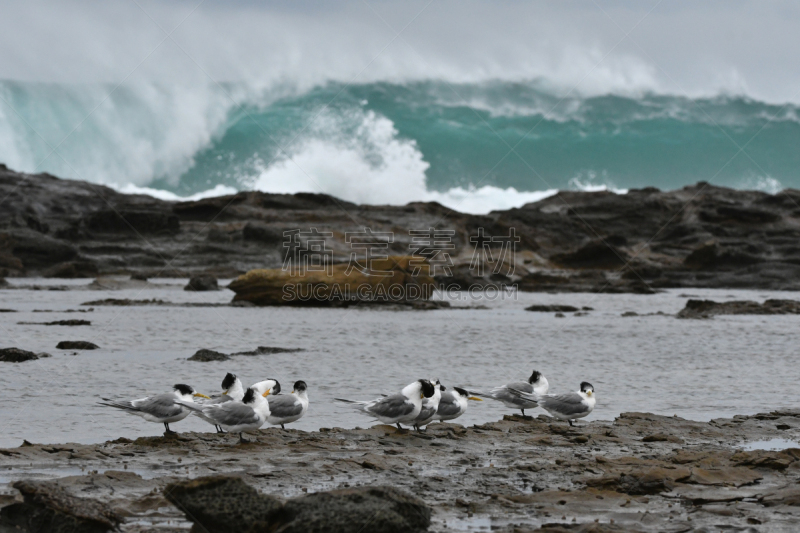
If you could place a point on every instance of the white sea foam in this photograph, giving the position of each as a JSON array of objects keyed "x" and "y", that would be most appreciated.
[{"x": 219, "y": 190}]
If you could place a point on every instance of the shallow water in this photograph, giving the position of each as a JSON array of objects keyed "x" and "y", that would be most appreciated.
[
  {"x": 699, "y": 369},
  {"x": 772, "y": 445}
]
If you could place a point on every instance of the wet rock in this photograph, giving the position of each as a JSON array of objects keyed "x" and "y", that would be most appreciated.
[
  {"x": 16, "y": 355},
  {"x": 204, "y": 355},
  {"x": 556, "y": 308},
  {"x": 48, "y": 508},
  {"x": 139, "y": 276},
  {"x": 70, "y": 322},
  {"x": 72, "y": 269},
  {"x": 767, "y": 459},
  {"x": 629, "y": 313},
  {"x": 644, "y": 481},
  {"x": 708, "y": 308},
  {"x": 202, "y": 283},
  {"x": 593, "y": 255},
  {"x": 3, "y": 283},
  {"x": 226, "y": 504},
  {"x": 254, "y": 231},
  {"x": 76, "y": 345},
  {"x": 264, "y": 350},
  {"x": 223, "y": 504},
  {"x": 378, "y": 509}
]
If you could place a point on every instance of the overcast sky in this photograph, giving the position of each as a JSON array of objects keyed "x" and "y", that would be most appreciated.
[{"x": 674, "y": 46}]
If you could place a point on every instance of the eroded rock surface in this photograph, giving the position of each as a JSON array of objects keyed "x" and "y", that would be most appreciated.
[
  {"x": 644, "y": 472},
  {"x": 708, "y": 308},
  {"x": 17, "y": 355},
  {"x": 642, "y": 241}
]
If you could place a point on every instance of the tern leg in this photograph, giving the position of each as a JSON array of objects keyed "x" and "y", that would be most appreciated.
[
  {"x": 282, "y": 426},
  {"x": 168, "y": 431},
  {"x": 523, "y": 412},
  {"x": 398, "y": 426},
  {"x": 570, "y": 423},
  {"x": 242, "y": 440}
]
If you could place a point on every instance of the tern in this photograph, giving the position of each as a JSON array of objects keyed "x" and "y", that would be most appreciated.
[
  {"x": 402, "y": 407},
  {"x": 535, "y": 386},
  {"x": 288, "y": 408},
  {"x": 569, "y": 406},
  {"x": 453, "y": 404},
  {"x": 161, "y": 408},
  {"x": 232, "y": 390}
]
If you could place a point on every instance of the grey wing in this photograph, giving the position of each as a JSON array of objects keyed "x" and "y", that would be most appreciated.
[
  {"x": 517, "y": 393},
  {"x": 566, "y": 404},
  {"x": 231, "y": 414},
  {"x": 160, "y": 406},
  {"x": 427, "y": 411},
  {"x": 391, "y": 406},
  {"x": 284, "y": 406},
  {"x": 448, "y": 406}
]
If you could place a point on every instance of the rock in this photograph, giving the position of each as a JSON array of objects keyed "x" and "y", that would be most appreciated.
[
  {"x": 139, "y": 276},
  {"x": 71, "y": 322},
  {"x": 76, "y": 345},
  {"x": 646, "y": 481},
  {"x": 377, "y": 509},
  {"x": 205, "y": 356},
  {"x": 72, "y": 269},
  {"x": 3, "y": 283},
  {"x": 223, "y": 504},
  {"x": 708, "y": 308},
  {"x": 339, "y": 286},
  {"x": 254, "y": 231},
  {"x": 48, "y": 508},
  {"x": 202, "y": 283},
  {"x": 559, "y": 315},
  {"x": 263, "y": 350},
  {"x": 16, "y": 355},
  {"x": 552, "y": 308},
  {"x": 629, "y": 313},
  {"x": 594, "y": 255}
]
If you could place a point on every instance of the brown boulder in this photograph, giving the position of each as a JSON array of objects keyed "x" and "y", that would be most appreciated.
[{"x": 407, "y": 281}]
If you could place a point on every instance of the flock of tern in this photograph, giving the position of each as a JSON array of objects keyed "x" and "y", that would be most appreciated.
[{"x": 240, "y": 410}]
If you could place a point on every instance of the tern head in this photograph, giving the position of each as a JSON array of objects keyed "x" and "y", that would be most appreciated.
[
  {"x": 438, "y": 384},
  {"x": 426, "y": 388},
  {"x": 535, "y": 377},
  {"x": 228, "y": 382},
  {"x": 299, "y": 386},
  {"x": 267, "y": 387},
  {"x": 250, "y": 396},
  {"x": 587, "y": 388},
  {"x": 187, "y": 390},
  {"x": 465, "y": 394}
]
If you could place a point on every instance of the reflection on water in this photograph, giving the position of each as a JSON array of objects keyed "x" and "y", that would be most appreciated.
[{"x": 699, "y": 369}]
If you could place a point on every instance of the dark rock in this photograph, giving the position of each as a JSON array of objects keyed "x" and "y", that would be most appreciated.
[
  {"x": 76, "y": 345},
  {"x": 204, "y": 355},
  {"x": 48, "y": 508},
  {"x": 135, "y": 222},
  {"x": 72, "y": 269},
  {"x": 15, "y": 355},
  {"x": 263, "y": 350},
  {"x": 139, "y": 276},
  {"x": 37, "y": 250},
  {"x": 639, "y": 482},
  {"x": 595, "y": 255},
  {"x": 376, "y": 509},
  {"x": 71, "y": 322},
  {"x": 254, "y": 231},
  {"x": 223, "y": 504},
  {"x": 708, "y": 308},
  {"x": 3, "y": 283},
  {"x": 630, "y": 313},
  {"x": 202, "y": 283},
  {"x": 559, "y": 315},
  {"x": 552, "y": 308}
]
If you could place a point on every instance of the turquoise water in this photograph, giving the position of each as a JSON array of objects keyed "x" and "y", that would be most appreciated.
[{"x": 429, "y": 135}]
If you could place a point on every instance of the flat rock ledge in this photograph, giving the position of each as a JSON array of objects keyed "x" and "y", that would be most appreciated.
[
  {"x": 708, "y": 308},
  {"x": 641, "y": 472}
]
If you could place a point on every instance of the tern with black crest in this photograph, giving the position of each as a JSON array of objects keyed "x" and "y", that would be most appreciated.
[
  {"x": 400, "y": 408},
  {"x": 161, "y": 408},
  {"x": 232, "y": 390},
  {"x": 288, "y": 408},
  {"x": 569, "y": 406},
  {"x": 453, "y": 404},
  {"x": 536, "y": 385}
]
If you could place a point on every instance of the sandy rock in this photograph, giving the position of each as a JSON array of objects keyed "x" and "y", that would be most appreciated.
[
  {"x": 342, "y": 287},
  {"x": 264, "y": 350},
  {"x": 48, "y": 508},
  {"x": 556, "y": 308}
]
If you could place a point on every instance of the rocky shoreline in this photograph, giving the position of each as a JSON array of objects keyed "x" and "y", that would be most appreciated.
[
  {"x": 640, "y": 472},
  {"x": 642, "y": 241}
]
